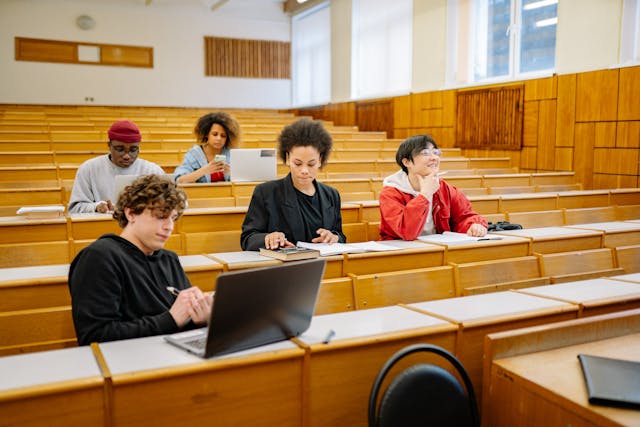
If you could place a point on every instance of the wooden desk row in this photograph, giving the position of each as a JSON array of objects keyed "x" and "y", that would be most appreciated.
[
  {"x": 31, "y": 297},
  {"x": 302, "y": 382},
  {"x": 32, "y": 242},
  {"x": 54, "y": 183},
  {"x": 56, "y": 241}
]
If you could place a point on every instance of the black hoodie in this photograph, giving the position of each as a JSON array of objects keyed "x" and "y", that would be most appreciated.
[{"x": 118, "y": 292}]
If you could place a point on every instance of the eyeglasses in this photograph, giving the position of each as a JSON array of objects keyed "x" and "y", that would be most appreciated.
[
  {"x": 431, "y": 152},
  {"x": 121, "y": 150}
]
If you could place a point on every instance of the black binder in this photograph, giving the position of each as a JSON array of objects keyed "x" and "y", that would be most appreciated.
[{"x": 611, "y": 382}]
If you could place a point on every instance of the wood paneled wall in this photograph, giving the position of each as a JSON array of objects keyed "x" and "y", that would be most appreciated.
[
  {"x": 262, "y": 59},
  {"x": 490, "y": 118},
  {"x": 41, "y": 50},
  {"x": 585, "y": 122}
]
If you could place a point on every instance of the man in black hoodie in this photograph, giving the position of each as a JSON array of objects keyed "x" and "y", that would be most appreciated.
[{"x": 119, "y": 284}]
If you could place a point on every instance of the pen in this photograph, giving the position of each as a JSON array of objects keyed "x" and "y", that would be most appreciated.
[
  {"x": 173, "y": 291},
  {"x": 329, "y": 336}
]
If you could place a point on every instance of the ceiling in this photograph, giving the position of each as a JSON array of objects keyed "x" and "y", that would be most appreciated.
[{"x": 254, "y": 8}]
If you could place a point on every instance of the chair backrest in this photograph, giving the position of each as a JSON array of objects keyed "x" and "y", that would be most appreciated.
[{"x": 424, "y": 394}]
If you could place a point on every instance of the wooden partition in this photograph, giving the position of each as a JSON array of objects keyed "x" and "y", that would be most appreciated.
[{"x": 521, "y": 371}]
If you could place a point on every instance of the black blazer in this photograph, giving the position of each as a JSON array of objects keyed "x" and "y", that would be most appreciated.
[{"x": 274, "y": 207}]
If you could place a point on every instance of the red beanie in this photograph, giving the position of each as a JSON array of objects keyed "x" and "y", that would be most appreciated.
[{"x": 124, "y": 131}]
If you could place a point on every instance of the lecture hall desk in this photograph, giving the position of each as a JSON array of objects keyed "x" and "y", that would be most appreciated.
[
  {"x": 33, "y": 242},
  {"x": 632, "y": 277},
  {"x": 548, "y": 240},
  {"x": 252, "y": 259},
  {"x": 340, "y": 374},
  {"x": 52, "y": 388},
  {"x": 616, "y": 233},
  {"x": 548, "y": 388},
  {"x": 486, "y": 250},
  {"x": 24, "y": 288},
  {"x": 413, "y": 254},
  {"x": 154, "y": 383},
  {"x": 479, "y": 315},
  {"x": 593, "y": 296}
]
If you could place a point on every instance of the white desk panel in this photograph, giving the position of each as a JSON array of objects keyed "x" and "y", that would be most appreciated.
[
  {"x": 361, "y": 323},
  {"x": 47, "y": 367}
]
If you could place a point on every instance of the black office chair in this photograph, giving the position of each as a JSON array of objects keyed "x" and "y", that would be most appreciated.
[{"x": 424, "y": 394}]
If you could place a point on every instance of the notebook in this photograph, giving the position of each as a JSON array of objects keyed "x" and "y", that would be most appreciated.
[
  {"x": 255, "y": 307},
  {"x": 123, "y": 180},
  {"x": 611, "y": 382},
  {"x": 252, "y": 164}
]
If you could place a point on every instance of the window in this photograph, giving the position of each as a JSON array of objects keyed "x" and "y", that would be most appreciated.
[
  {"x": 381, "y": 48},
  {"x": 630, "y": 38},
  {"x": 311, "y": 56},
  {"x": 508, "y": 39}
]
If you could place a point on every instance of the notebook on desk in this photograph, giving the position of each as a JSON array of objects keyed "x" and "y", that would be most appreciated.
[
  {"x": 611, "y": 382},
  {"x": 252, "y": 164},
  {"x": 255, "y": 307}
]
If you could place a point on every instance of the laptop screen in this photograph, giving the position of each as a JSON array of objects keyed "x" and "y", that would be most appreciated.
[{"x": 259, "y": 306}]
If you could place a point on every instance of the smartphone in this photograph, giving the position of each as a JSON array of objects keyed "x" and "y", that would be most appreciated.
[{"x": 220, "y": 158}]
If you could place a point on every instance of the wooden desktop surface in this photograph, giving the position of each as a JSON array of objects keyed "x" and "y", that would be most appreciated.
[
  {"x": 594, "y": 296},
  {"x": 559, "y": 239},
  {"x": 548, "y": 388},
  {"x": 52, "y": 388},
  {"x": 616, "y": 233},
  {"x": 486, "y": 250},
  {"x": 631, "y": 277}
]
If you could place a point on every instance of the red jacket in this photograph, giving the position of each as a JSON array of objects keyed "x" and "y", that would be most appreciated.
[{"x": 402, "y": 216}]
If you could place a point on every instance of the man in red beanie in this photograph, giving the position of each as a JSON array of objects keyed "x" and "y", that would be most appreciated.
[{"x": 94, "y": 186}]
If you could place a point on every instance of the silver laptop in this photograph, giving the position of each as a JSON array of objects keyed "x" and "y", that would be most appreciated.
[
  {"x": 123, "y": 180},
  {"x": 253, "y": 164},
  {"x": 255, "y": 307}
]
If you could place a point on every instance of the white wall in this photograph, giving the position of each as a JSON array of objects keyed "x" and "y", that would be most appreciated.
[
  {"x": 175, "y": 33},
  {"x": 340, "y": 50},
  {"x": 588, "y": 35},
  {"x": 429, "y": 45},
  {"x": 588, "y": 38}
]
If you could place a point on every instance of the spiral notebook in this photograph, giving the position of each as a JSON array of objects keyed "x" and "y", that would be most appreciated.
[{"x": 611, "y": 382}]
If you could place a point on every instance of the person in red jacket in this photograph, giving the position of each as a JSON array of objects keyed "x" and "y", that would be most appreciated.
[{"x": 415, "y": 201}]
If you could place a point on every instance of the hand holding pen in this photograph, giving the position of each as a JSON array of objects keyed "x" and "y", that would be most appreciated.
[{"x": 190, "y": 304}]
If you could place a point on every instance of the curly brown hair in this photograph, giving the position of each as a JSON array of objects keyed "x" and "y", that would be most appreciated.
[
  {"x": 154, "y": 192},
  {"x": 302, "y": 133},
  {"x": 229, "y": 124}
]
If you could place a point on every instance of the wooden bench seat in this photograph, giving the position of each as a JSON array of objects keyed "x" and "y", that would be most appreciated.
[
  {"x": 589, "y": 215},
  {"x": 405, "y": 286},
  {"x": 43, "y": 328},
  {"x": 579, "y": 265},
  {"x": 498, "y": 275},
  {"x": 550, "y": 218},
  {"x": 628, "y": 258}
]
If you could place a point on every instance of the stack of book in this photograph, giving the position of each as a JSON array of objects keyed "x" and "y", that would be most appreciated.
[{"x": 290, "y": 254}]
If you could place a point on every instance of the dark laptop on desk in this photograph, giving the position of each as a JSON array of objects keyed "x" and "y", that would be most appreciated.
[{"x": 255, "y": 307}]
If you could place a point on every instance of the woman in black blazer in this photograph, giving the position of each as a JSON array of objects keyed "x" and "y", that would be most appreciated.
[{"x": 296, "y": 207}]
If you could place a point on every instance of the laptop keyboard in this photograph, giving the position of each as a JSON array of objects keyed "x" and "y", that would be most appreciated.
[{"x": 199, "y": 343}]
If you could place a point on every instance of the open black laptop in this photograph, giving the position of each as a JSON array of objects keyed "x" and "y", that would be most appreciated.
[{"x": 255, "y": 307}]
